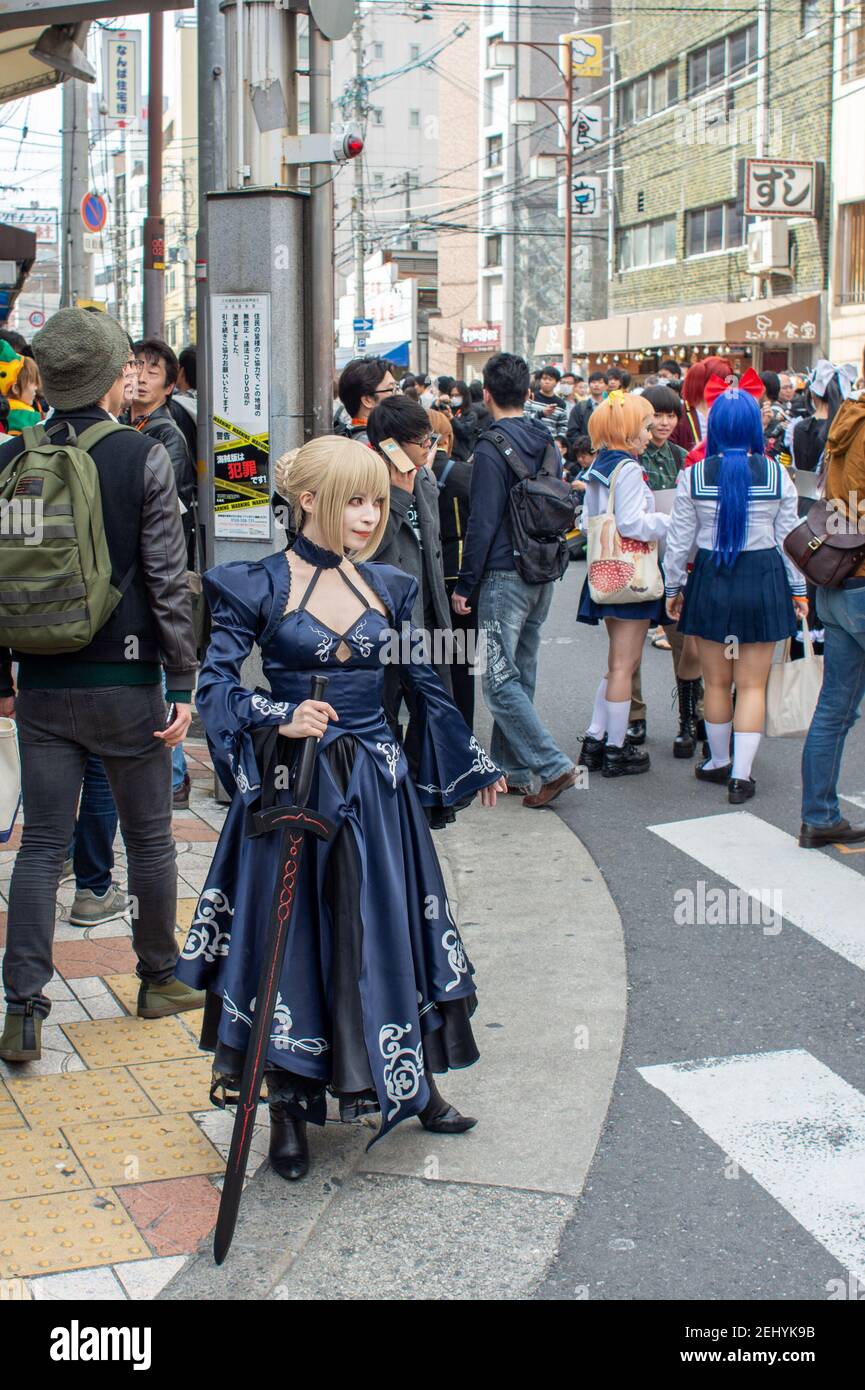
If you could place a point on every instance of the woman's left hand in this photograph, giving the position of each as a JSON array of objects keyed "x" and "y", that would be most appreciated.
[
  {"x": 489, "y": 794},
  {"x": 800, "y": 603},
  {"x": 674, "y": 607}
]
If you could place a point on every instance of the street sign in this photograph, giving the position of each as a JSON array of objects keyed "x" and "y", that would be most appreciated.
[
  {"x": 362, "y": 325},
  {"x": 333, "y": 17},
  {"x": 360, "y": 342},
  {"x": 121, "y": 67},
  {"x": 783, "y": 188},
  {"x": 587, "y": 127},
  {"x": 587, "y": 54},
  {"x": 36, "y": 319},
  {"x": 92, "y": 242},
  {"x": 94, "y": 212}
]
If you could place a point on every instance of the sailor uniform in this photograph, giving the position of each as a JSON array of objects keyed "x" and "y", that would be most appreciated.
[
  {"x": 636, "y": 519},
  {"x": 750, "y": 599}
]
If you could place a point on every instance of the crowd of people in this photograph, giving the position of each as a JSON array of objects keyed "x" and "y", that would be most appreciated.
[{"x": 437, "y": 505}]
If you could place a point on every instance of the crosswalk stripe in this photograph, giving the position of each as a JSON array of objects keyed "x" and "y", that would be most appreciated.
[
  {"x": 810, "y": 890},
  {"x": 794, "y": 1125}
]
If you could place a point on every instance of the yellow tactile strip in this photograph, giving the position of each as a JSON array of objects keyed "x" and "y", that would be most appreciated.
[
  {"x": 50, "y": 1102},
  {"x": 175, "y": 1087},
  {"x": 32, "y": 1165},
  {"x": 125, "y": 988},
  {"x": 10, "y": 1117},
  {"x": 143, "y": 1150},
  {"x": 121, "y": 1041},
  {"x": 74, "y": 1230}
]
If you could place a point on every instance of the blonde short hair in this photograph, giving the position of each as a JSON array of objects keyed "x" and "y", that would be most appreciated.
[
  {"x": 335, "y": 469},
  {"x": 617, "y": 420},
  {"x": 443, "y": 428}
]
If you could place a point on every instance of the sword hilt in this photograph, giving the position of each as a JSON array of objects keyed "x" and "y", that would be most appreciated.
[
  {"x": 289, "y": 818},
  {"x": 306, "y": 762}
]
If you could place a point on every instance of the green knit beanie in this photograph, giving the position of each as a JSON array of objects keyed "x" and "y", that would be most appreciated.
[{"x": 80, "y": 355}]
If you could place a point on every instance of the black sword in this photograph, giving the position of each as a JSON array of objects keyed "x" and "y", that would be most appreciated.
[{"x": 295, "y": 822}]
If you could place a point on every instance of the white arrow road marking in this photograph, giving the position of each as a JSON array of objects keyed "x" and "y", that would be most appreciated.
[
  {"x": 818, "y": 894},
  {"x": 796, "y": 1127}
]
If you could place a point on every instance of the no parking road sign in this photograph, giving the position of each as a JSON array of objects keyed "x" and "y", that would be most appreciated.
[{"x": 94, "y": 213}]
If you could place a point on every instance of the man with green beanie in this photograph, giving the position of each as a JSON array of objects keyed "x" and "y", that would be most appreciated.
[{"x": 104, "y": 699}]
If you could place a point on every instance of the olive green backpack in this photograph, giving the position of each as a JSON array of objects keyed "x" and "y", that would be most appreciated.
[{"x": 55, "y": 569}]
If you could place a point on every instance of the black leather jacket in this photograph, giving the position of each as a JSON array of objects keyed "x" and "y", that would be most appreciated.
[{"x": 161, "y": 425}]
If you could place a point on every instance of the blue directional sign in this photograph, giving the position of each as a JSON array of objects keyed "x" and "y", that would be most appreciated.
[
  {"x": 94, "y": 212},
  {"x": 362, "y": 325}
]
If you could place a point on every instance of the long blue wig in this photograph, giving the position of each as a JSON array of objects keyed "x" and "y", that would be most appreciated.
[{"x": 735, "y": 430}]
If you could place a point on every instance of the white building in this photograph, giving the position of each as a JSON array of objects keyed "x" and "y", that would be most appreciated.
[{"x": 847, "y": 270}]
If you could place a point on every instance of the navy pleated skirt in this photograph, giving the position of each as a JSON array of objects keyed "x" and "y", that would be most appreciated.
[
  {"x": 750, "y": 600},
  {"x": 590, "y": 612}
]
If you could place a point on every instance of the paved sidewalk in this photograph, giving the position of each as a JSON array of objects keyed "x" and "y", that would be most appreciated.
[{"x": 111, "y": 1155}]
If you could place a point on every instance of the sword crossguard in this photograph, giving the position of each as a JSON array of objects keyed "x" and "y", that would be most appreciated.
[{"x": 290, "y": 818}]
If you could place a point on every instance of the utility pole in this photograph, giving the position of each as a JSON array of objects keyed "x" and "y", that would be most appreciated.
[
  {"x": 357, "y": 200},
  {"x": 210, "y": 38},
  {"x": 154, "y": 227},
  {"x": 77, "y": 264},
  {"x": 321, "y": 300},
  {"x": 567, "y": 343}
]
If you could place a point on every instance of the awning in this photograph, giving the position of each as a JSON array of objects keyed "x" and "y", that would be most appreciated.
[
  {"x": 792, "y": 318},
  {"x": 397, "y": 353}
]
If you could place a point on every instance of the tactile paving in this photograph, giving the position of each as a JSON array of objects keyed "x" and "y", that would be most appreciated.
[
  {"x": 10, "y": 1117},
  {"x": 177, "y": 1086},
  {"x": 74, "y": 1230},
  {"x": 125, "y": 988},
  {"x": 32, "y": 1165},
  {"x": 50, "y": 1102},
  {"x": 143, "y": 1150},
  {"x": 193, "y": 1021},
  {"x": 121, "y": 1041}
]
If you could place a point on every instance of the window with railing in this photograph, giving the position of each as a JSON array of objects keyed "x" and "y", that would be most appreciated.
[
  {"x": 647, "y": 243},
  {"x": 649, "y": 94},
  {"x": 723, "y": 60},
  {"x": 851, "y": 287}
]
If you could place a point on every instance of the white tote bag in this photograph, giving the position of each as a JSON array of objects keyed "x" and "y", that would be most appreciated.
[
  {"x": 10, "y": 777},
  {"x": 793, "y": 691},
  {"x": 620, "y": 570}
]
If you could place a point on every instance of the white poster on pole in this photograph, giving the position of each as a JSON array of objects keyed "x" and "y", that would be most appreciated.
[
  {"x": 240, "y": 383},
  {"x": 121, "y": 77}
]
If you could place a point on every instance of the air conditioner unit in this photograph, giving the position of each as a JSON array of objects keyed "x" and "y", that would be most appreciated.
[{"x": 768, "y": 246}]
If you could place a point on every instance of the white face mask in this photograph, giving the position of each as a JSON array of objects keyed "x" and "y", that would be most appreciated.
[
  {"x": 566, "y": 389},
  {"x": 456, "y": 402},
  {"x": 427, "y": 397}
]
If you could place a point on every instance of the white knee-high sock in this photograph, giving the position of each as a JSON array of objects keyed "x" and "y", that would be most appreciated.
[
  {"x": 598, "y": 726},
  {"x": 744, "y": 752},
  {"x": 618, "y": 714},
  {"x": 719, "y": 743}
]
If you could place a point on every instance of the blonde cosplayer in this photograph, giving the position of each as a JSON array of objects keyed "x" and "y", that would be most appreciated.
[{"x": 334, "y": 470}]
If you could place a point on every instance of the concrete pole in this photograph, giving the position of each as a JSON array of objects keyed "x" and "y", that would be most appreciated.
[
  {"x": 77, "y": 267},
  {"x": 154, "y": 227},
  {"x": 567, "y": 346},
  {"x": 321, "y": 241},
  {"x": 357, "y": 201},
  {"x": 211, "y": 168}
]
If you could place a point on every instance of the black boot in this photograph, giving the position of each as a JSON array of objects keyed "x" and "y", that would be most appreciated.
[
  {"x": 636, "y": 732},
  {"x": 440, "y": 1117},
  {"x": 685, "y": 742},
  {"x": 592, "y": 753},
  {"x": 289, "y": 1152},
  {"x": 626, "y": 761},
  {"x": 704, "y": 738}
]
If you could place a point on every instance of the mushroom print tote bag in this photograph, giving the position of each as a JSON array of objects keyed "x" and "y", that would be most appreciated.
[{"x": 620, "y": 570}]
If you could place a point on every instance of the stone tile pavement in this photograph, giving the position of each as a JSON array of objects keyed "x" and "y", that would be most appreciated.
[{"x": 110, "y": 1153}]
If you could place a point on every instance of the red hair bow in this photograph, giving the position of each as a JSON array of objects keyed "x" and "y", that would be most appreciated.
[{"x": 749, "y": 381}]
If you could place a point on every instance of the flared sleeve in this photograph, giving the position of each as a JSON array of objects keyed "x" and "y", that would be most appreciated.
[
  {"x": 452, "y": 765},
  {"x": 240, "y": 599}
]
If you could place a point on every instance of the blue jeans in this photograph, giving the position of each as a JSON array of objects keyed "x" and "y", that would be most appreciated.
[
  {"x": 511, "y": 614},
  {"x": 178, "y": 767},
  {"x": 92, "y": 847},
  {"x": 842, "y": 614}
]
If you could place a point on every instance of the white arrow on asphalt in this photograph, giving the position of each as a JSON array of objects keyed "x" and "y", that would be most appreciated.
[{"x": 795, "y": 1126}]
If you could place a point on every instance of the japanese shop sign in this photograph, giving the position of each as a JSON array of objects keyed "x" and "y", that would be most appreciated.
[
  {"x": 240, "y": 374},
  {"x": 783, "y": 188},
  {"x": 121, "y": 63}
]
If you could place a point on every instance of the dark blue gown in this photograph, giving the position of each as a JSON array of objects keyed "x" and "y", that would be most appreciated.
[{"x": 376, "y": 987}]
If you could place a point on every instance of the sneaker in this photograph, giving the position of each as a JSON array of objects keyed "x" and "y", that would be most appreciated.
[
  {"x": 180, "y": 797},
  {"x": 171, "y": 997},
  {"x": 68, "y": 871},
  {"x": 91, "y": 910},
  {"x": 626, "y": 761},
  {"x": 22, "y": 1038}
]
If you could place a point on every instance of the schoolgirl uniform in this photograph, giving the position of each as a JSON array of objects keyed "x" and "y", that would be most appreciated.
[
  {"x": 750, "y": 599},
  {"x": 636, "y": 519}
]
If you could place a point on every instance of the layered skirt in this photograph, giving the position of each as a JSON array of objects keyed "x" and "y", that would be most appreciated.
[{"x": 750, "y": 600}]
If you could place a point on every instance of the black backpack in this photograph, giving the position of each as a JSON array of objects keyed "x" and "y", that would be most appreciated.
[{"x": 541, "y": 510}]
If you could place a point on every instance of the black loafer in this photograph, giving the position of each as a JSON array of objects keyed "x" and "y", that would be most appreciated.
[
  {"x": 713, "y": 774},
  {"x": 841, "y": 833},
  {"x": 448, "y": 1121},
  {"x": 740, "y": 789},
  {"x": 636, "y": 732}
]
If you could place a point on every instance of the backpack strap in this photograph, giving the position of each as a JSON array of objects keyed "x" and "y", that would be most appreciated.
[
  {"x": 34, "y": 436},
  {"x": 95, "y": 433},
  {"x": 443, "y": 477},
  {"x": 504, "y": 447},
  {"x": 550, "y": 462}
]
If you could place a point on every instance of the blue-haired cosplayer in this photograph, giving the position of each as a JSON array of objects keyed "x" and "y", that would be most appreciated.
[
  {"x": 732, "y": 512},
  {"x": 376, "y": 991}
]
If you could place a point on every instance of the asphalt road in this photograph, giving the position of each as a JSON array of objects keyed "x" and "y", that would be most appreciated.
[{"x": 665, "y": 1214}]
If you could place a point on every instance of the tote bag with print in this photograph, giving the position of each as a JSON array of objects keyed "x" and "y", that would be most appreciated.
[
  {"x": 793, "y": 691},
  {"x": 621, "y": 570}
]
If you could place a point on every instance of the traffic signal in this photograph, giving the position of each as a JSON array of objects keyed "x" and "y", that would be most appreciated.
[{"x": 347, "y": 143}]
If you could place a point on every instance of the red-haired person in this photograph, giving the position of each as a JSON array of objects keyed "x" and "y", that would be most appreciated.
[{"x": 695, "y": 409}]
